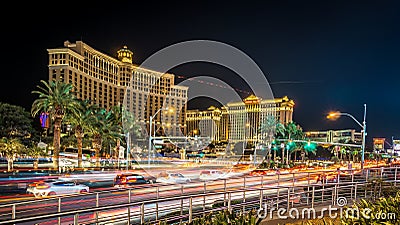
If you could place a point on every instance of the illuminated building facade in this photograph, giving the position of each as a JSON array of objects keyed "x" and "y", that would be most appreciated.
[
  {"x": 335, "y": 136},
  {"x": 238, "y": 121},
  {"x": 245, "y": 117},
  {"x": 104, "y": 80},
  {"x": 205, "y": 123}
]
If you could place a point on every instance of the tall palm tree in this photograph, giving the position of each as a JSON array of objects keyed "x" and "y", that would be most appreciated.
[
  {"x": 125, "y": 122},
  {"x": 290, "y": 131},
  {"x": 280, "y": 132},
  {"x": 117, "y": 112},
  {"x": 58, "y": 99},
  {"x": 130, "y": 125},
  {"x": 267, "y": 129},
  {"x": 10, "y": 148},
  {"x": 102, "y": 127},
  {"x": 81, "y": 123}
]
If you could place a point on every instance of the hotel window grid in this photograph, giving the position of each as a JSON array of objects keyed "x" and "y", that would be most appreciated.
[{"x": 103, "y": 79}]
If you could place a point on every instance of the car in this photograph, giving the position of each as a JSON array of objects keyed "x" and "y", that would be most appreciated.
[
  {"x": 172, "y": 178},
  {"x": 207, "y": 175},
  {"x": 56, "y": 187},
  {"x": 129, "y": 180}
]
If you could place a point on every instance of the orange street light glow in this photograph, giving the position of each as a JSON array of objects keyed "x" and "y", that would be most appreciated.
[{"x": 333, "y": 115}]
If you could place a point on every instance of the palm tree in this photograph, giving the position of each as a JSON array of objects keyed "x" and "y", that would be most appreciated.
[
  {"x": 81, "y": 123},
  {"x": 267, "y": 129},
  {"x": 10, "y": 148},
  {"x": 56, "y": 98},
  {"x": 130, "y": 126},
  {"x": 125, "y": 123},
  {"x": 102, "y": 128},
  {"x": 280, "y": 132}
]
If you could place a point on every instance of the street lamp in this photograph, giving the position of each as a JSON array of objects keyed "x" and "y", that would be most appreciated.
[
  {"x": 169, "y": 110},
  {"x": 336, "y": 115}
]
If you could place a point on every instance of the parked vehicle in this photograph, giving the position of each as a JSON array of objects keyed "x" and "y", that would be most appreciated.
[
  {"x": 172, "y": 178},
  {"x": 129, "y": 180},
  {"x": 56, "y": 187}
]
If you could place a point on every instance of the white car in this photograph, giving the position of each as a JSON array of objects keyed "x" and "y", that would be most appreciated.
[
  {"x": 172, "y": 178},
  {"x": 56, "y": 187},
  {"x": 207, "y": 175},
  {"x": 88, "y": 176}
]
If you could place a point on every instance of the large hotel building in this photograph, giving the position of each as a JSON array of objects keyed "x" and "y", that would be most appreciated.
[
  {"x": 105, "y": 80},
  {"x": 238, "y": 121}
]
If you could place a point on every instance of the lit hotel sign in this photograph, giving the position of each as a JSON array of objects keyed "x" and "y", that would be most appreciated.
[{"x": 379, "y": 143}]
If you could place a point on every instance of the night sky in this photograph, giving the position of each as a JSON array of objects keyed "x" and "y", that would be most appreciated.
[{"x": 325, "y": 55}]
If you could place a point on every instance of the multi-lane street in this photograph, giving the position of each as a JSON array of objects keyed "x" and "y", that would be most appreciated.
[{"x": 273, "y": 183}]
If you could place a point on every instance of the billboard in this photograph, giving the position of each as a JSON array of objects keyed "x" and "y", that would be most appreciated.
[{"x": 379, "y": 143}]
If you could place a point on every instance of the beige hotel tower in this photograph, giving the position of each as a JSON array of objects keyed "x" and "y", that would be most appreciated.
[{"x": 105, "y": 80}]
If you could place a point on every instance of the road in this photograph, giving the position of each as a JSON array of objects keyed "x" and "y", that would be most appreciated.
[
  {"x": 146, "y": 192},
  {"x": 111, "y": 196}
]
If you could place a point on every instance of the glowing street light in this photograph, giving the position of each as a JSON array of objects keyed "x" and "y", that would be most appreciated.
[
  {"x": 336, "y": 115},
  {"x": 168, "y": 110}
]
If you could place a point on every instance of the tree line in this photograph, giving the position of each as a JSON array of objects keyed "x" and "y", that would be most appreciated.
[{"x": 88, "y": 121}]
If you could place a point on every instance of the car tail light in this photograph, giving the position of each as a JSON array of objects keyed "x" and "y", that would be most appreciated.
[{"x": 32, "y": 185}]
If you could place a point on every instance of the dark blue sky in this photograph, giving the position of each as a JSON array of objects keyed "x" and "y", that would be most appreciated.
[{"x": 337, "y": 55}]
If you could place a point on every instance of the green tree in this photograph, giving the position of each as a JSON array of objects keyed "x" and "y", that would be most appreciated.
[
  {"x": 36, "y": 152},
  {"x": 58, "y": 99},
  {"x": 15, "y": 122},
  {"x": 290, "y": 131},
  {"x": 82, "y": 124},
  {"x": 102, "y": 127},
  {"x": 130, "y": 126},
  {"x": 267, "y": 130},
  {"x": 10, "y": 148}
]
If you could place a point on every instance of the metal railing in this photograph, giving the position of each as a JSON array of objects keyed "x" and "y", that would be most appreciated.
[{"x": 176, "y": 203}]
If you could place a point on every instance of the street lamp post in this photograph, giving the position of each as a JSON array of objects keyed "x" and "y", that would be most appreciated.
[
  {"x": 336, "y": 115},
  {"x": 128, "y": 147},
  {"x": 283, "y": 152},
  {"x": 150, "y": 129}
]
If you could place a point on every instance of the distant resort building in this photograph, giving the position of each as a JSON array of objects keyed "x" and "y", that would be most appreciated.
[
  {"x": 335, "y": 136},
  {"x": 238, "y": 121}
]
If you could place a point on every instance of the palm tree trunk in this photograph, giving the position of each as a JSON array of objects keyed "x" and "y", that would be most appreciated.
[
  {"x": 116, "y": 151},
  {"x": 10, "y": 164},
  {"x": 97, "y": 142},
  {"x": 79, "y": 138},
  {"x": 56, "y": 142},
  {"x": 36, "y": 163}
]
